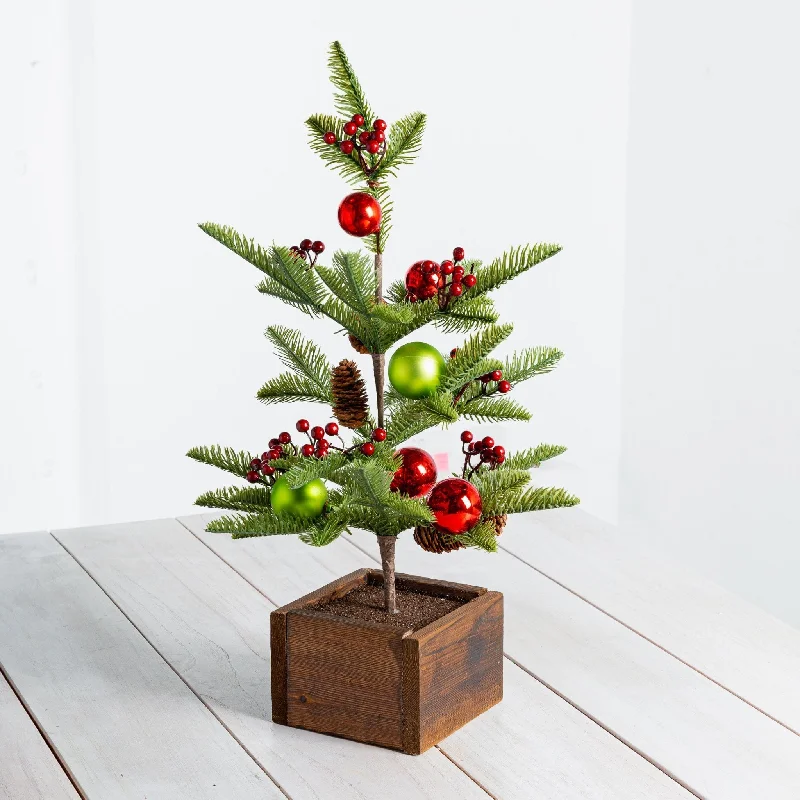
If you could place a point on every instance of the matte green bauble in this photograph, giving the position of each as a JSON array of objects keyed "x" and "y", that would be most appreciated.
[
  {"x": 415, "y": 370},
  {"x": 306, "y": 501}
]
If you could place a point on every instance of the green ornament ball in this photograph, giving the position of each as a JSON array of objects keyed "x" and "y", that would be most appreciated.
[
  {"x": 415, "y": 370},
  {"x": 305, "y": 501}
]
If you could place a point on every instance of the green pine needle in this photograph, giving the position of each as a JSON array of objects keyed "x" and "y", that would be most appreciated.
[
  {"x": 236, "y": 498},
  {"x": 510, "y": 265},
  {"x": 225, "y": 458},
  {"x": 266, "y": 523},
  {"x": 404, "y": 139},
  {"x": 493, "y": 409},
  {"x": 349, "y": 99},
  {"x": 528, "y": 459},
  {"x": 462, "y": 368},
  {"x": 483, "y": 537}
]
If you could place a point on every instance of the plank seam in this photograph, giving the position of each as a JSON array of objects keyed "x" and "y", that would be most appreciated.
[
  {"x": 648, "y": 639},
  {"x": 578, "y": 708},
  {"x": 180, "y": 677},
  {"x": 471, "y": 777},
  {"x": 40, "y": 728}
]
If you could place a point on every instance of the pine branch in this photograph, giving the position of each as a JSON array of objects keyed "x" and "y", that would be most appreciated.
[
  {"x": 349, "y": 99},
  {"x": 462, "y": 368},
  {"x": 466, "y": 314},
  {"x": 529, "y": 362},
  {"x": 539, "y": 499},
  {"x": 499, "y": 488},
  {"x": 352, "y": 280},
  {"x": 412, "y": 417},
  {"x": 302, "y": 357},
  {"x": 322, "y": 535},
  {"x": 493, "y": 409},
  {"x": 510, "y": 265},
  {"x": 236, "y": 498},
  {"x": 407, "y": 319},
  {"x": 347, "y": 166},
  {"x": 483, "y": 536},
  {"x": 308, "y": 469},
  {"x": 290, "y": 388},
  {"x": 528, "y": 459},
  {"x": 295, "y": 275},
  {"x": 265, "y": 523},
  {"x": 380, "y": 191},
  {"x": 396, "y": 292},
  {"x": 225, "y": 458},
  {"x": 404, "y": 142},
  {"x": 272, "y": 288}
]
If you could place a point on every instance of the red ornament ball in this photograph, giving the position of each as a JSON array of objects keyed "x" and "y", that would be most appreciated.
[
  {"x": 360, "y": 214},
  {"x": 330, "y": 137},
  {"x": 456, "y": 504},
  {"x": 417, "y": 474}
]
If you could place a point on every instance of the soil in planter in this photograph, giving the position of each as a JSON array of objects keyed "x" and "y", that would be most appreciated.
[{"x": 416, "y": 610}]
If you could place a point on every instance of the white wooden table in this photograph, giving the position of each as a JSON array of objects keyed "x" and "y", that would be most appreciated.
[{"x": 135, "y": 664}]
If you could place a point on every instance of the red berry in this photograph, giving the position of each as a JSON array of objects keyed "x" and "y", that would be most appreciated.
[
  {"x": 285, "y": 437},
  {"x": 330, "y": 137},
  {"x": 302, "y": 425},
  {"x": 324, "y": 444},
  {"x": 265, "y": 456},
  {"x": 458, "y": 272},
  {"x": 318, "y": 247},
  {"x": 497, "y": 375},
  {"x": 429, "y": 266},
  {"x": 252, "y": 476},
  {"x": 305, "y": 244},
  {"x": 477, "y": 446},
  {"x": 363, "y": 137},
  {"x": 267, "y": 469},
  {"x": 486, "y": 378},
  {"x": 379, "y": 125},
  {"x": 358, "y": 119},
  {"x": 470, "y": 280},
  {"x": 503, "y": 387},
  {"x": 373, "y": 147},
  {"x": 378, "y": 136},
  {"x": 346, "y": 147},
  {"x": 498, "y": 451},
  {"x": 486, "y": 456},
  {"x": 378, "y": 435},
  {"x": 427, "y": 292},
  {"x": 488, "y": 442},
  {"x": 466, "y": 436},
  {"x": 273, "y": 443},
  {"x": 458, "y": 254},
  {"x": 321, "y": 452},
  {"x": 433, "y": 279},
  {"x": 331, "y": 429},
  {"x": 454, "y": 352},
  {"x": 273, "y": 454},
  {"x": 367, "y": 448},
  {"x": 447, "y": 267},
  {"x": 317, "y": 432},
  {"x": 456, "y": 289},
  {"x": 307, "y": 449},
  {"x": 500, "y": 459},
  {"x": 350, "y": 128}
]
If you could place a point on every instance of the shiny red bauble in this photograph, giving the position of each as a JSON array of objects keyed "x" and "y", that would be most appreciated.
[
  {"x": 360, "y": 214},
  {"x": 417, "y": 474},
  {"x": 456, "y": 504},
  {"x": 423, "y": 280}
]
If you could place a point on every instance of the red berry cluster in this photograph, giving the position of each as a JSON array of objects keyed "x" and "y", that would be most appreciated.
[
  {"x": 497, "y": 376},
  {"x": 485, "y": 451},
  {"x": 319, "y": 447},
  {"x": 373, "y": 141},
  {"x": 427, "y": 279},
  {"x": 305, "y": 249},
  {"x": 278, "y": 447}
]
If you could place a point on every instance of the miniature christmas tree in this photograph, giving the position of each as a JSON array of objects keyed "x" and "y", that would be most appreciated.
[{"x": 325, "y": 486}]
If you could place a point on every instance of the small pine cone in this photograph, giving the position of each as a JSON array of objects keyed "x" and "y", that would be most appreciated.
[
  {"x": 499, "y": 523},
  {"x": 357, "y": 344},
  {"x": 349, "y": 395},
  {"x": 435, "y": 541}
]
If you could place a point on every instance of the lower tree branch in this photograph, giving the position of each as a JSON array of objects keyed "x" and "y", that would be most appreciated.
[{"x": 387, "y": 547}]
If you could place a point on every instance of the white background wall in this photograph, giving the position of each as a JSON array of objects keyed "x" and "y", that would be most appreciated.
[
  {"x": 153, "y": 116},
  {"x": 127, "y": 336},
  {"x": 711, "y": 429}
]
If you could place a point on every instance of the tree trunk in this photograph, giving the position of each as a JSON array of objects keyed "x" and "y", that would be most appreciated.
[{"x": 387, "y": 545}]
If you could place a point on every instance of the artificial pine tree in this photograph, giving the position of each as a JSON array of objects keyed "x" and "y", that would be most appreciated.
[{"x": 373, "y": 483}]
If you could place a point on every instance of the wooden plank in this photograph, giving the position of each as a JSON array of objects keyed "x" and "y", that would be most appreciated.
[
  {"x": 120, "y": 718},
  {"x": 751, "y": 653},
  {"x": 28, "y": 769},
  {"x": 212, "y": 627},
  {"x": 709, "y": 740},
  {"x": 533, "y": 744}
]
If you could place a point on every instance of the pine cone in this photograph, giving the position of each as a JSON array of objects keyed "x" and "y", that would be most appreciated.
[
  {"x": 499, "y": 523},
  {"x": 357, "y": 344},
  {"x": 435, "y": 541},
  {"x": 349, "y": 395}
]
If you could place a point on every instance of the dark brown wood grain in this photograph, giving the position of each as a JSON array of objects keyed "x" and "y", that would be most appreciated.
[{"x": 381, "y": 685}]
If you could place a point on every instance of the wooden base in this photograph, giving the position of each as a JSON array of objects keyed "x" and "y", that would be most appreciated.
[{"x": 378, "y": 684}]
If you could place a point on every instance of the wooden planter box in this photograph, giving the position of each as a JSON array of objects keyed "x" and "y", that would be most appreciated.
[{"x": 368, "y": 681}]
